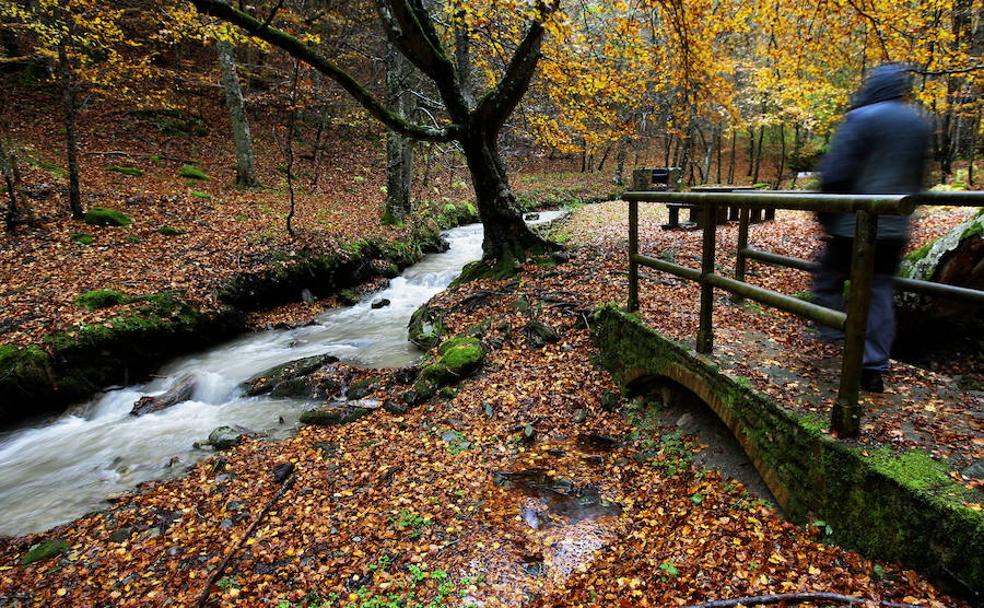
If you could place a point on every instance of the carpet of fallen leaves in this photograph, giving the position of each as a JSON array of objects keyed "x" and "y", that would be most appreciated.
[
  {"x": 406, "y": 508},
  {"x": 224, "y": 231}
]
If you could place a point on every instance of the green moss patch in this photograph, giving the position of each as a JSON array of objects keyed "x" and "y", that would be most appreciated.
[
  {"x": 105, "y": 216},
  {"x": 200, "y": 194},
  {"x": 44, "y": 550},
  {"x": 193, "y": 172},
  {"x": 457, "y": 358},
  {"x": 101, "y": 298},
  {"x": 129, "y": 171},
  {"x": 170, "y": 231},
  {"x": 81, "y": 238}
]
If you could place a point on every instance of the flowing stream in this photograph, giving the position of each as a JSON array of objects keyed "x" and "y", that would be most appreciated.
[{"x": 56, "y": 471}]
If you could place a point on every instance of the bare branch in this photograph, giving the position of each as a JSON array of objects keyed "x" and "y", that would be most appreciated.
[
  {"x": 495, "y": 108},
  {"x": 790, "y": 599},
  {"x": 307, "y": 54}
]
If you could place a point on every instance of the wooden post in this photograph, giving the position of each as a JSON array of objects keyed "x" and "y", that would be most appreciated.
[
  {"x": 845, "y": 419},
  {"x": 740, "y": 261},
  {"x": 633, "y": 304},
  {"x": 705, "y": 332}
]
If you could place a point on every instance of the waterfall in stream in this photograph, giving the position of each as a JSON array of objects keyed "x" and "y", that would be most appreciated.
[{"x": 58, "y": 470}]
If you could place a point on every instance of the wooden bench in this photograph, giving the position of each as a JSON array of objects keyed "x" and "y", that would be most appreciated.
[{"x": 674, "y": 220}]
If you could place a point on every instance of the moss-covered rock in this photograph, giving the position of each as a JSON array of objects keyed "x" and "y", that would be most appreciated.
[
  {"x": 293, "y": 379},
  {"x": 426, "y": 327},
  {"x": 44, "y": 550},
  {"x": 104, "y": 216},
  {"x": 361, "y": 388},
  {"x": 956, "y": 258},
  {"x": 170, "y": 231},
  {"x": 458, "y": 358},
  {"x": 227, "y": 437},
  {"x": 101, "y": 298},
  {"x": 334, "y": 415}
]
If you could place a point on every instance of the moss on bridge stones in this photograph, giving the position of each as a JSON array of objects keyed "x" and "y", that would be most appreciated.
[{"x": 888, "y": 505}]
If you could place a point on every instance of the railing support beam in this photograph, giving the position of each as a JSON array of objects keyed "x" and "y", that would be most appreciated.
[
  {"x": 845, "y": 419},
  {"x": 633, "y": 303},
  {"x": 705, "y": 332}
]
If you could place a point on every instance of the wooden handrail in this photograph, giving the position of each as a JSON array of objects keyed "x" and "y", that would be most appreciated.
[{"x": 846, "y": 413}]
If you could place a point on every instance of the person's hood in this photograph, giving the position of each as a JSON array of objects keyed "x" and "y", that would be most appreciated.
[{"x": 885, "y": 82}]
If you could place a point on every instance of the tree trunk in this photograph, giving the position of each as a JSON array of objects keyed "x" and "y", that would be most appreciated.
[
  {"x": 758, "y": 156},
  {"x": 734, "y": 153},
  {"x": 245, "y": 160},
  {"x": 604, "y": 157},
  {"x": 751, "y": 150},
  {"x": 508, "y": 240},
  {"x": 620, "y": 154},
  {"x": 718, "y": 135},
  {"x": 782, "y": 155},
  {"x": 972, "y": 154},
  {"x": 399, "y": 149},
  {"x": 7, "y": 170},
  {"x": 70, "y": 110}
]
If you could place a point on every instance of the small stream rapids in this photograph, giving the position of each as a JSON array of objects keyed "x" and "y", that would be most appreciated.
[{"x": 57, "y": 470}]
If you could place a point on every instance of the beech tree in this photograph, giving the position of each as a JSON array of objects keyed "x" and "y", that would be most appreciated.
[
  {"x": 245, "y": 163},
  {"x": 475, "y": 125}
]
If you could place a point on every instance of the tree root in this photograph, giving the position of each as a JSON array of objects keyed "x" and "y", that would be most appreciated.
[{"x": 791, "y": 599}]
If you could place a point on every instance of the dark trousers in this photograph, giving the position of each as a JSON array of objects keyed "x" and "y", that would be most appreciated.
[{"x": 828, "y": 287}]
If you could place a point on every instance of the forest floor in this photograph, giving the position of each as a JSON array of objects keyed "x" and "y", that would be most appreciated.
[
  {"x": 455, "y": 502},
  {"x": 194, "y": 235}
]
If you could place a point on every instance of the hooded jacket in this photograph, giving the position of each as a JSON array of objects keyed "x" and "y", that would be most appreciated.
[{"x": 880, "y": 148}]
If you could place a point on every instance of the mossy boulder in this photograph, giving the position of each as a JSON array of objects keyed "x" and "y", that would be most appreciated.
[
  {"x": 458, "y": 358},
  {"x": 44, "y": 550},
  {"x": 332, "y": 415},
  {"x": 294, "y": 380},
  {"x": 25, "y": 372},
  {"x": 227, "y": 437},
  {"x": 101, "y": 298},
  {"x": 426, "y": 327},
  {"x": 360, "y": 389},
  {"x": 105, "y": 216},
  {"x": 956, "y": 258}
]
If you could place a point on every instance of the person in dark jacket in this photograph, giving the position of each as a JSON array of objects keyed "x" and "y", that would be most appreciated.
[{"x": 880, "y": 148}]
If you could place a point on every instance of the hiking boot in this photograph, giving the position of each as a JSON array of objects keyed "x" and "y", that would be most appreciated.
[{"x": 871, "y": 381}]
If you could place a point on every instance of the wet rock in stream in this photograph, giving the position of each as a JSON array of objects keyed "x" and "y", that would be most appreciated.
[
  {"x": 181, "y": 391},
  {"x": 307, "y": 378},
  {"x": 227, "y": 437}
]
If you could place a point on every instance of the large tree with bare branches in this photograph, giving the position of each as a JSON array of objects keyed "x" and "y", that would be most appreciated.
[{"x": 475, "y": 123}]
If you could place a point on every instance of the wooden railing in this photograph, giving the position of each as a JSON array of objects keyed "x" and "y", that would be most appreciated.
[{"x": 846, "y": 414}]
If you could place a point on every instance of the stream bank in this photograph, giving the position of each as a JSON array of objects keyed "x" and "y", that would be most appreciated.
[{"x": 70, "y": 366}]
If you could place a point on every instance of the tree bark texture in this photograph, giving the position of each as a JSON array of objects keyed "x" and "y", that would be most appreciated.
[
  {"x": 70, "y": 110},
  {"x": 236, "y": 105},
  {"x": 7, "y": 170},
  {"x": 399, "y": 149}
]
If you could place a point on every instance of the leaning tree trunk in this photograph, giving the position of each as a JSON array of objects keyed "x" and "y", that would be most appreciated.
[
  {"x": 70, "y": 109},
  {"x": 245, "y": 160},
  {"x": 399, "y": 149},
  {"x": 508, "y": 240}
]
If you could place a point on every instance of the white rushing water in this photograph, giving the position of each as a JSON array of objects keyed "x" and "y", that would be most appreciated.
[{"x": 56, "y": 471}]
